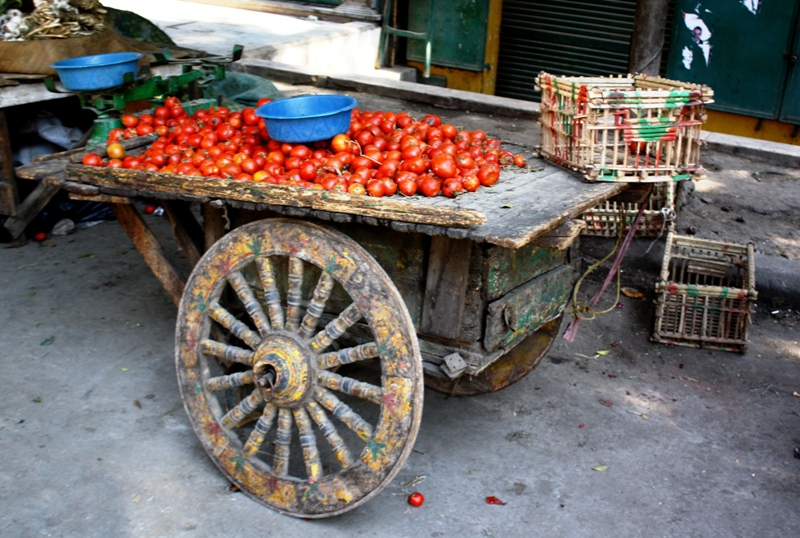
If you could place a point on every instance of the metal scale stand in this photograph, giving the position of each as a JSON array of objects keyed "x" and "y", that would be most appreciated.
[{"x": 147, "y": 90}]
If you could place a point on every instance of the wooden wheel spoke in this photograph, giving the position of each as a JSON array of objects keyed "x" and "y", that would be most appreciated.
[
  {"x": 343, "y": 412},
  {"x": 239, "y": 329},
  {"x": 256, "y": 438},
  {"x": 225, "y": 382},
  {"x": 335, "y": 328},
  {"x": 317, "y": 303},
  {"x": 227, "y": 352},
  {"x": 294, "y": 295},
  {"x": 271, "y": 294},
  {"x": 280, "y": 462},
  {"x": 348, "y": 385},
  {"x": 251, "y": 304},
  {"x": 309, "y": 443},
  {"x": 349, "y": 355},
  {"x": 238, "y": 414},
  {"x": 328, "y": 429}
]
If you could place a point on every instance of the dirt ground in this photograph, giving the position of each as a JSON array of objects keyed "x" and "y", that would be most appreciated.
[{"x": 612, "y": 435}]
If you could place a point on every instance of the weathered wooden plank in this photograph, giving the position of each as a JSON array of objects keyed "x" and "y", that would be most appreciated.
[
  {"x": 78, "y": 188},
  {"x": 105, "y": 198},
  {"x": 562, "y": 237},
  {"x": 148, "y": 183},
  {"x": 148, "y": 246},
  {"x": 188, "y": 233},
  {"x": 38, "y": 171},
  {"x": 29, "y": 208},
  {"x": 9, "y": 198},
  {"x": 513, "y": 316},
  {"x": 445, "y": 286}
]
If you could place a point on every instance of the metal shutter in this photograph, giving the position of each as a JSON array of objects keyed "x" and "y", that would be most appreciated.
[{"x": 562, "y": 37}]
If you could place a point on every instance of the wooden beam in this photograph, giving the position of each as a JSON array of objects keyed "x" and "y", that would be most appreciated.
[
  {"x": 446, "y": 286},
  {"x": 148, "y": 246},
  {"x": 9, "y": 198},
  {"x": 28, "y": 209},
  {"x": 647, "y": 41},
  {"x": 212, "y": 225},
  {"x": 185, "y": 228}
]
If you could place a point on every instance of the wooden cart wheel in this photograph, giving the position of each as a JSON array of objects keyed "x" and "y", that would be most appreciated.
[
  {"x": 297, "y": 422},
  {"x": 508, "y": 369}
]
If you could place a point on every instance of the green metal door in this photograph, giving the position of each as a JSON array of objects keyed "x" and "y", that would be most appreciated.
[
  {"x": 790, "y": 110},
  {"x": 459, "y": 39},
  {"x": 562, "y": 37},
  {"x": 741, "y": 48}
]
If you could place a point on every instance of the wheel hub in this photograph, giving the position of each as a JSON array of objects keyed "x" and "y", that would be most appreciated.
[{"x": 284, "y": 369}]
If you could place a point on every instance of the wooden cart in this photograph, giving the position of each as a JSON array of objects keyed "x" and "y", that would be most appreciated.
[{"x": 305, "y": 332}]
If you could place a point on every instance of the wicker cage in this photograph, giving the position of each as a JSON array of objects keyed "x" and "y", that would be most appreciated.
[
  {"x": 705, "y": 294},
  {"x": 657, "y": 220},
  {"x": 634, "y": 128}
]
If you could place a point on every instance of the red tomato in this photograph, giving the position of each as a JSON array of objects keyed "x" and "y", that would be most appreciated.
[
  {"x": 263, "y": 101},
  {"x": 416, "y": 499},
  {"x": 115, "y": 151},
  {"x": 407, "y": 186},
  {"x": 520, "y": 160},
  {"x": 41, "y": 236},
  {"x": 432, "y": 120},
  {"x": 356, "y": 188},
  {"x": 430, "y": 186},
  {"x": 452, "y": 187},
  {"x": 471, "y": 182},
  {"x": 488, "y": 174},
  {"x": 149, "y": 209},
  {"x": 144, "y": 129},
  {"x": 444, "y": 166},
  {"x": 92, "y": 159},
  {"x": 376, "y": 188},
  {"x": 129, "y": 120},
  {"x": 341, "y": 142}
]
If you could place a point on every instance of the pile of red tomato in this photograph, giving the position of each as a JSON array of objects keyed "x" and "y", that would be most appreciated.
[{"x": 383, "y": 152}]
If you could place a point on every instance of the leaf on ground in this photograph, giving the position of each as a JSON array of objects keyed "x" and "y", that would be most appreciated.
[
  {"x": 47, "y": 341},
  {"x": 38, "y": 399},
  {"x": 124, "y": 369},
  {"x": 31, "y": 294},
  {"x": 632, "y": 293},
  {"x": 602, "y": 352},
  {"x": 507, "y": 206},
  {"x": 600, "y": 468},
  {"x": 607, "y": 403},
  {"x": 693, "y": 380}
]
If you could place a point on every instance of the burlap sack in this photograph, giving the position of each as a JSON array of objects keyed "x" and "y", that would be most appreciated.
[{"x": 34, "y": 57}]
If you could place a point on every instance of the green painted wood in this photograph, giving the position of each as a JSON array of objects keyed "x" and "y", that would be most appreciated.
[
  {"x": 505, "y": 268},
  {"x": 402, "y": 255},
  {"x": 518, "y": 313},
  {"x": 460, "y": 37},
  {"x": 748, "y": 61}
]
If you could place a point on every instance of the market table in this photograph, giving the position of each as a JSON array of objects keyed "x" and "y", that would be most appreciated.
[{"x": 313, "y": 313}]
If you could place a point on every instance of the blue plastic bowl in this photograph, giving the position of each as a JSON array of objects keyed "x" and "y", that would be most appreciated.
[
  {"x": 98, "y": 71},
  {"x": 308, "y": 118}
]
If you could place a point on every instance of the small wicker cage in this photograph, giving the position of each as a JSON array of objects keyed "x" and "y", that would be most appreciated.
[
  {"x": 657, "y": 220},
  {"x": 634, "y": 128},
  {"x": 705, "y": 294}
]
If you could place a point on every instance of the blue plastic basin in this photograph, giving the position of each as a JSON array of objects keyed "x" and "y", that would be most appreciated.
[
  {"x": 98, "y": 71},
  {"x": 308, "y": 118}
]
